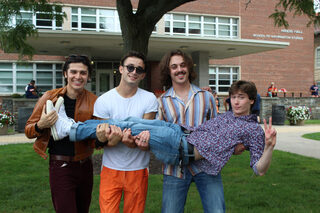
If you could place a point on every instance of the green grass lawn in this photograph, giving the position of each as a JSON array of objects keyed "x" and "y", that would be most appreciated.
[
  {"x": 313, "y": 136},
  {"x": 291, "y": 185},
  {"x": 305, "y": 122}
]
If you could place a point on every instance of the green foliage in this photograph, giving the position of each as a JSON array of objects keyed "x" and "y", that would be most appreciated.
[
  {"x": 298, "y": 8},
  {"x": 13, "y": 38},
  {"x": 16, "y": 95},
  {"x": 298, "y": 113},
  {"x": 291, "y": 185}
]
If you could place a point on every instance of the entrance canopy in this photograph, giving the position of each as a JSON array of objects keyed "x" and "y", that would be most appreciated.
[{"x": 108, "y": 46}]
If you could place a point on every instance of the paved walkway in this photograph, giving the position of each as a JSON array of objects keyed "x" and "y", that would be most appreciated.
[{"x": 289, "y": 139}]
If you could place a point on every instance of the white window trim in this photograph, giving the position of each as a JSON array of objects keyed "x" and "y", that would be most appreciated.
[
  {"x": 34, "y": 74},
  {"x": 317, "y": 58},
  {"x": 217, "y": 76}
]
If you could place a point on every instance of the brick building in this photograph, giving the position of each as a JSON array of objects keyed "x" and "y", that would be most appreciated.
[{"x": 226, "y": 40}]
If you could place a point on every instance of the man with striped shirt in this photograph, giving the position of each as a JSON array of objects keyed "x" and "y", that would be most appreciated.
[{"x": 186, "y": 104}]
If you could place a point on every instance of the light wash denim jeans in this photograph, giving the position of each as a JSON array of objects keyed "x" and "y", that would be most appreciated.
[
  {"x": 165, "y": 137},
  {"x": 175, "y": 192}
]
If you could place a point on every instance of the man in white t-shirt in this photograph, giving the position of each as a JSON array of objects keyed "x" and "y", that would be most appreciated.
[{"x": 125, "y": 165}]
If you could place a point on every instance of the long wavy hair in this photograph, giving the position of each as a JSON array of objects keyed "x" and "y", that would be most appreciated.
[{"x": 164, "y": 67}]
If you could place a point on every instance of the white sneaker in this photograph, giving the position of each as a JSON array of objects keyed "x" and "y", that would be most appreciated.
[
  {"x": 61, "y": 128},
  {"x": 49, "y": 108}
]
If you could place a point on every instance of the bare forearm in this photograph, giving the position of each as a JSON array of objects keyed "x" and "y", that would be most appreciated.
[{"x": 265, "y": 161}]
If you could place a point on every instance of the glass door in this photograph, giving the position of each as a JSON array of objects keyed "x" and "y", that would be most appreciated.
[{"x": 104, "y": 81}]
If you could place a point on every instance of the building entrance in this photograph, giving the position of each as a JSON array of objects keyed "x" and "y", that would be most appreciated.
[{"x": 104, "y": 81}]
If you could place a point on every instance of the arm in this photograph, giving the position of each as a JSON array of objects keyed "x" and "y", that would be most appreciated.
[{"x": 270, "y": 141}]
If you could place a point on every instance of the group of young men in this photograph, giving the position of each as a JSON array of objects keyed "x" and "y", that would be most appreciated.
[{"x": 125, "y": 165}]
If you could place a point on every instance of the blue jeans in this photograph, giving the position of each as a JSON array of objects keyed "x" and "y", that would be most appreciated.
[
  {"x": 175, "y": 192},
  {"x": 165, "y": 138}
]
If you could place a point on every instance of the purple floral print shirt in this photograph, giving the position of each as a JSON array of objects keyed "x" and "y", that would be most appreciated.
[{"x": 217, "y": 138}]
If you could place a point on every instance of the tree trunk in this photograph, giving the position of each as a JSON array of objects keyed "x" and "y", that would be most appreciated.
[
  {"x": 137, "y": 38},
  {"x": 137, "y": 26}
]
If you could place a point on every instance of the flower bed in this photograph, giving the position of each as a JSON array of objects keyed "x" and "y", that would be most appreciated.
[{"x": 6, "y": 118}]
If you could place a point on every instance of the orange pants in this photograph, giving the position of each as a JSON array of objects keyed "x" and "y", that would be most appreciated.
[{"x": 133, "y": 184}]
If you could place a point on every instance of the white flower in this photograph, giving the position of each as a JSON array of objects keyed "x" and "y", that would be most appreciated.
[{"x": 298, "y": 113}]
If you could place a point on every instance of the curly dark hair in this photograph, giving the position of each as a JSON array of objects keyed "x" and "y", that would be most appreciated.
[
  {"x": 165, "y": 69},
  {"x": 77, "y": 59}
]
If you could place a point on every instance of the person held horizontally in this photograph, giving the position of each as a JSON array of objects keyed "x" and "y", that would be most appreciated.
[{"x": 171, "y": 145}]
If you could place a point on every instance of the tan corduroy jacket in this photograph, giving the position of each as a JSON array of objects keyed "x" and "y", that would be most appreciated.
[{"x": 83, "y": 111}]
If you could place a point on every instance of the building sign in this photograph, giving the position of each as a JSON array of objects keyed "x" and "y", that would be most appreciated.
[{"x": 288, "y": 34}]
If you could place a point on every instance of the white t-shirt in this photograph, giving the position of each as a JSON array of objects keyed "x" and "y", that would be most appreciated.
[{"x": 112, "y": 105}]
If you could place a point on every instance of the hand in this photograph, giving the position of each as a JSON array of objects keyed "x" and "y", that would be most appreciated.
[
  {"x": 115, "y": 135},
  {"x": 239, "y": 149},
  {"x": 128, "y": 139},
  {"x": 47, "y": 119},
  {"x": 207, "y": 89},
  {"x": 142, "y": 140},
  {"x": 102, "y": 132},
  {"x": 270, "y": 134}
]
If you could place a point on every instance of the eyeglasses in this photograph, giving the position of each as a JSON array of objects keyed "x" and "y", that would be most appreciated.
[{"x": 131, "y": 68}]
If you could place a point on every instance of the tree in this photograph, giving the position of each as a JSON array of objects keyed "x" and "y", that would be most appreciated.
[
  {"x": 136, "y": 26},
  {"x": 13, "y": 37}
]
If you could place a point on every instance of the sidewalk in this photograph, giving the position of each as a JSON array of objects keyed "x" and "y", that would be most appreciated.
[
  {"x": 14, "y": 139},
  {"x": 289, "y": 140}
]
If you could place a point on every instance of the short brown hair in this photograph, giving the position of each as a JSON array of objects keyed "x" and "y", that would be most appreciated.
[
  {"x": 247, "y": 87},
  {"x": 77, "y": 59},
  {"x": 165, "y": 69},
  {"x": 134, "y": 54}
]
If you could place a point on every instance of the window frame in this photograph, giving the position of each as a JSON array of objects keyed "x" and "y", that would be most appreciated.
[
  {"x": 16, "y": 86},
  {"x": 233, "y": 70},
  {"x": 217, "y": 24}
]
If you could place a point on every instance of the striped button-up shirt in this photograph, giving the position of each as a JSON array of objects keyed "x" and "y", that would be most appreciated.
[{"x": 199, "y": 108}]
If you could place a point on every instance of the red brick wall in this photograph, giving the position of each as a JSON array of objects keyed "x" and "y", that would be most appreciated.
[{"x": 290, "y": 68}]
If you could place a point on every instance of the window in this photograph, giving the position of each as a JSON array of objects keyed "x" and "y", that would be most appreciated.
[
  {"x": 41, "y": 20},
  {"x": 15, "y": 76},
  {"x": 221, "y": 78},
  {"x": 24, "y": 73},
  {"x": 190, "y": 25},
  {"x": 317, "y": 62},
  {"x": 6, "y": 80},
  {"x": 84, "y": 19}
]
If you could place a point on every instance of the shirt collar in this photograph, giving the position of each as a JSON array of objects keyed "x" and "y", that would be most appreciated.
[{"x": 193, "y": 89}]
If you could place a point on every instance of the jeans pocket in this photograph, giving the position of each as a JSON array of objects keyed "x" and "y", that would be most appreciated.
[{"x": 57, "y": 164}]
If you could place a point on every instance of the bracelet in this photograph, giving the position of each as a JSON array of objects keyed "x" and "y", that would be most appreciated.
[
  {"x": 100, "y": 144},
  {"x": 37, "y": 128}
]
